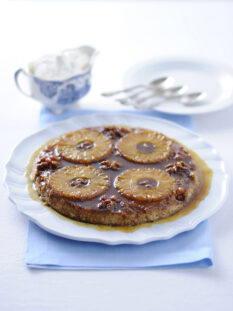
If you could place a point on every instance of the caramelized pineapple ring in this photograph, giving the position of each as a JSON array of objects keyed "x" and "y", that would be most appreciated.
[
  {"x": 144, "y": 147},
  {"x": 84, "y": 146},
  {"x": 78, "y": 182},
  {"x": 145, "y": 184}
]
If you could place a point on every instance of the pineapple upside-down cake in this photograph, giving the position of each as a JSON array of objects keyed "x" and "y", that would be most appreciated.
[{"x": 116, "y": 175}]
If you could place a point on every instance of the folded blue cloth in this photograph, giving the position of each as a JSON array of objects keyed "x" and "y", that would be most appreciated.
[{"x": 48, "y": 251}]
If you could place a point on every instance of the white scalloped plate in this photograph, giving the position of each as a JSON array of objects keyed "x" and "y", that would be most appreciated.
[{"x": 42, "y": 216}]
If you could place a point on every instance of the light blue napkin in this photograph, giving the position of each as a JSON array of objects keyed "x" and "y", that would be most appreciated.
[{"x": 47, "y": 251}]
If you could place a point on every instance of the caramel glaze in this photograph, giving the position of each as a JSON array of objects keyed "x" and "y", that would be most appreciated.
[{"x": 204, "y": 172}]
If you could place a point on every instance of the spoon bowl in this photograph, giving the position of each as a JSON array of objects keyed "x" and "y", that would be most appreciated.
[
  {"x": 192, "y": 98},
  {"x": 174, "y": 91},
  {"x": 161, "y": 83}
]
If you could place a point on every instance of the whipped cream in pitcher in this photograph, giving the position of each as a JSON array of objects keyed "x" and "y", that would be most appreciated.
[
  {"x": 62, "y": 66},
  {"x": 58, "y": 81}
]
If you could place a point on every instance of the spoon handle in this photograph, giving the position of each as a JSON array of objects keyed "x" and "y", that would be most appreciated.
[
  {"x": 141, "y": 105},
  {"x": 134, "y": 101},
  {"x": 108, "y": 94}
]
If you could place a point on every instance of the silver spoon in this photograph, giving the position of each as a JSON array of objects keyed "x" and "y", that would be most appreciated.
[
  {"x": 165, "y": 93},
  {"x": 160, "y": 83},
  {"x": 186, "y": 99}
]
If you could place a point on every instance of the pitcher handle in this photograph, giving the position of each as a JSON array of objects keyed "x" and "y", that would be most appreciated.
[{"x": 17, "y": 74}]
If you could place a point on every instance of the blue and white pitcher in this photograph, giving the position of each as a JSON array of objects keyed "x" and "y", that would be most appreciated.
[{"x": 58, "y": 95}]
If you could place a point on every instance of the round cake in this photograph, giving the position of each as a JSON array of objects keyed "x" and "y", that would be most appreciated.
[{"x": 116, "y": 175}]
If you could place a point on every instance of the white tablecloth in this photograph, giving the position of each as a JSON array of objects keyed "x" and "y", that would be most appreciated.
[{"x": 124, "y": 33}]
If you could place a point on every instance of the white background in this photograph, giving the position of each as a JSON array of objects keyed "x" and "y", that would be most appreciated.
[{"x": 124, "y": 33}]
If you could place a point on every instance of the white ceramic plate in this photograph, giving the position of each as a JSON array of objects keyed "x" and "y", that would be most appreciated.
[
  {"x": 17, "y": 183},
  {"x": 213, "y": 78}
]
